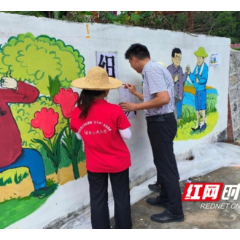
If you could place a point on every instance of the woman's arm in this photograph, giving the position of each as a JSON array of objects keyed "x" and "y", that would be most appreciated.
[
  {"x": 78, "y": 136},
  {"x": 125, "y": 133}
]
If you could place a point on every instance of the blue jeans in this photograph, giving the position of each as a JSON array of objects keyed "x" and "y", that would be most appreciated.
[{"x": 31, "y": 159}]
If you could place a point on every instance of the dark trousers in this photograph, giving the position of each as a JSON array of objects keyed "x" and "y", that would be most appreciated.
[
  {"x": 98, "y": 183},
  {"x": 161, "y": 131}
]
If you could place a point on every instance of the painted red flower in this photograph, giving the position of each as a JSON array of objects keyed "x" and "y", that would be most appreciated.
[
  {"x": 46, "y": 120},
  {"x": 67, "y": 99}
]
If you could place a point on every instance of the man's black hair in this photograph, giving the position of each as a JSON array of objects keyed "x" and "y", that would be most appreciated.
[
  {"x": 176, "y": 50},
  {"x": 137, "y": 50}
]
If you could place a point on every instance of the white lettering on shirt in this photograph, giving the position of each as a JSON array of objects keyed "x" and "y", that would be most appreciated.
[{"x": 103, "y": 128}]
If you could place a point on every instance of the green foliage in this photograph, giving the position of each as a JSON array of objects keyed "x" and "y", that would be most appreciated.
[
  {"x": 81, "y": 16},
  {"x": 24, "y": 113},
  {"x": 211, "y": 103},
  {"x": 227, "y": 25},
  {"x": 73, "y": 148},
  {"x": 28, "y": 13},
  {"x": 215, "y": 23},
  {"x": 5, "y": 182},
  {"x": 53, "y": 14},
  {"x": 48, "y": 165},
  {"x": 188, "y": 115},
  {"x": 50, "y": 182},
  {"x": 189, "y": 112},
  {"x": 19, "y": 178},
  {"x": 237, "y": 49},
  {"x": 221, "y": 23},
  {"x": 143, "y": 19},
  {"x": 54, "y": 86},
  {"x": 35, "y": 58},
  {"x": 53, "y": 152},
  {"x": 59, "y": 15}
]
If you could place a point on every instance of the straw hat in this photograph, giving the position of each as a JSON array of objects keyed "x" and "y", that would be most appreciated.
[{"x": 97, "y": 79}]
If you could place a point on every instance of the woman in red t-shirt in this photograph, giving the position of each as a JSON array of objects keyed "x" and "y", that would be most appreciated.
[{"x": 102, "y": 127}]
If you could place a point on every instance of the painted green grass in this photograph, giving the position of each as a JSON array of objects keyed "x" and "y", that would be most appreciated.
[
  {"x": 14, "y": 210},
  {"x": 65, "y": 160},
  {"x": 17, "y": 179},
  {"x": 185, "y": 132},
  {"x": 189, "y": 120}
]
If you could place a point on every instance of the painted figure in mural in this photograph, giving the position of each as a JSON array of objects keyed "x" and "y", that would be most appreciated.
[
  {"x": 199, "y": 79},
  {"x": 102, "y": 126},
  {"x": 11, "y": 151},
  {"x": 179, "y": 79},
  {"x": 158, "y": 96}
]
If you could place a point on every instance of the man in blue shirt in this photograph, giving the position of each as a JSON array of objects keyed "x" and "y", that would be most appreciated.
[{"x": 199, "y": 79}]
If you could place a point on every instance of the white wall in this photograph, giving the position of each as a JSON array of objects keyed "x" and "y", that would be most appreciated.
[{"x": 115, "y": 38}]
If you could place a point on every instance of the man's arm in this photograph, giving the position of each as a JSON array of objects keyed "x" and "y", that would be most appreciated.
[
  {"x": 139, "y": 95},
  {"x": 160, "y": 99},
  {"x": 19, "y": 92},
  {"x": 133, "y": 90}
]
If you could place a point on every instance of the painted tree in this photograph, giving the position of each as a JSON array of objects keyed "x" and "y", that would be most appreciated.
[{"x": 36, "y": 58}]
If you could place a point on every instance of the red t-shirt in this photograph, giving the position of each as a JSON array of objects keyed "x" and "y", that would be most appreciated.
[{"x": 105, "y": 149}]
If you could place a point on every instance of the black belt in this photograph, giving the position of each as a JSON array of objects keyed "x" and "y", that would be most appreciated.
[{"x": 159, "y": 118}]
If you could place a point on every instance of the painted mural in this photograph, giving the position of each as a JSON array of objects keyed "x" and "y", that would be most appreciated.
[
  {"x": 38, "y": 151},
  {"x": 195, "y": 101}
]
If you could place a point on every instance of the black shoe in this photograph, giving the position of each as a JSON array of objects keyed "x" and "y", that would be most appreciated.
[
  {"x": 156, "y": 202},
  {"x": 166, "y": 217},
  {"x": 154, "y": 187},
  {"x": 195, "y": 129}
]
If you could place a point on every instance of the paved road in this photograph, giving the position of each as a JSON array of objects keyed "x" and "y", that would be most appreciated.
[{"x": 227, "y": 218}]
